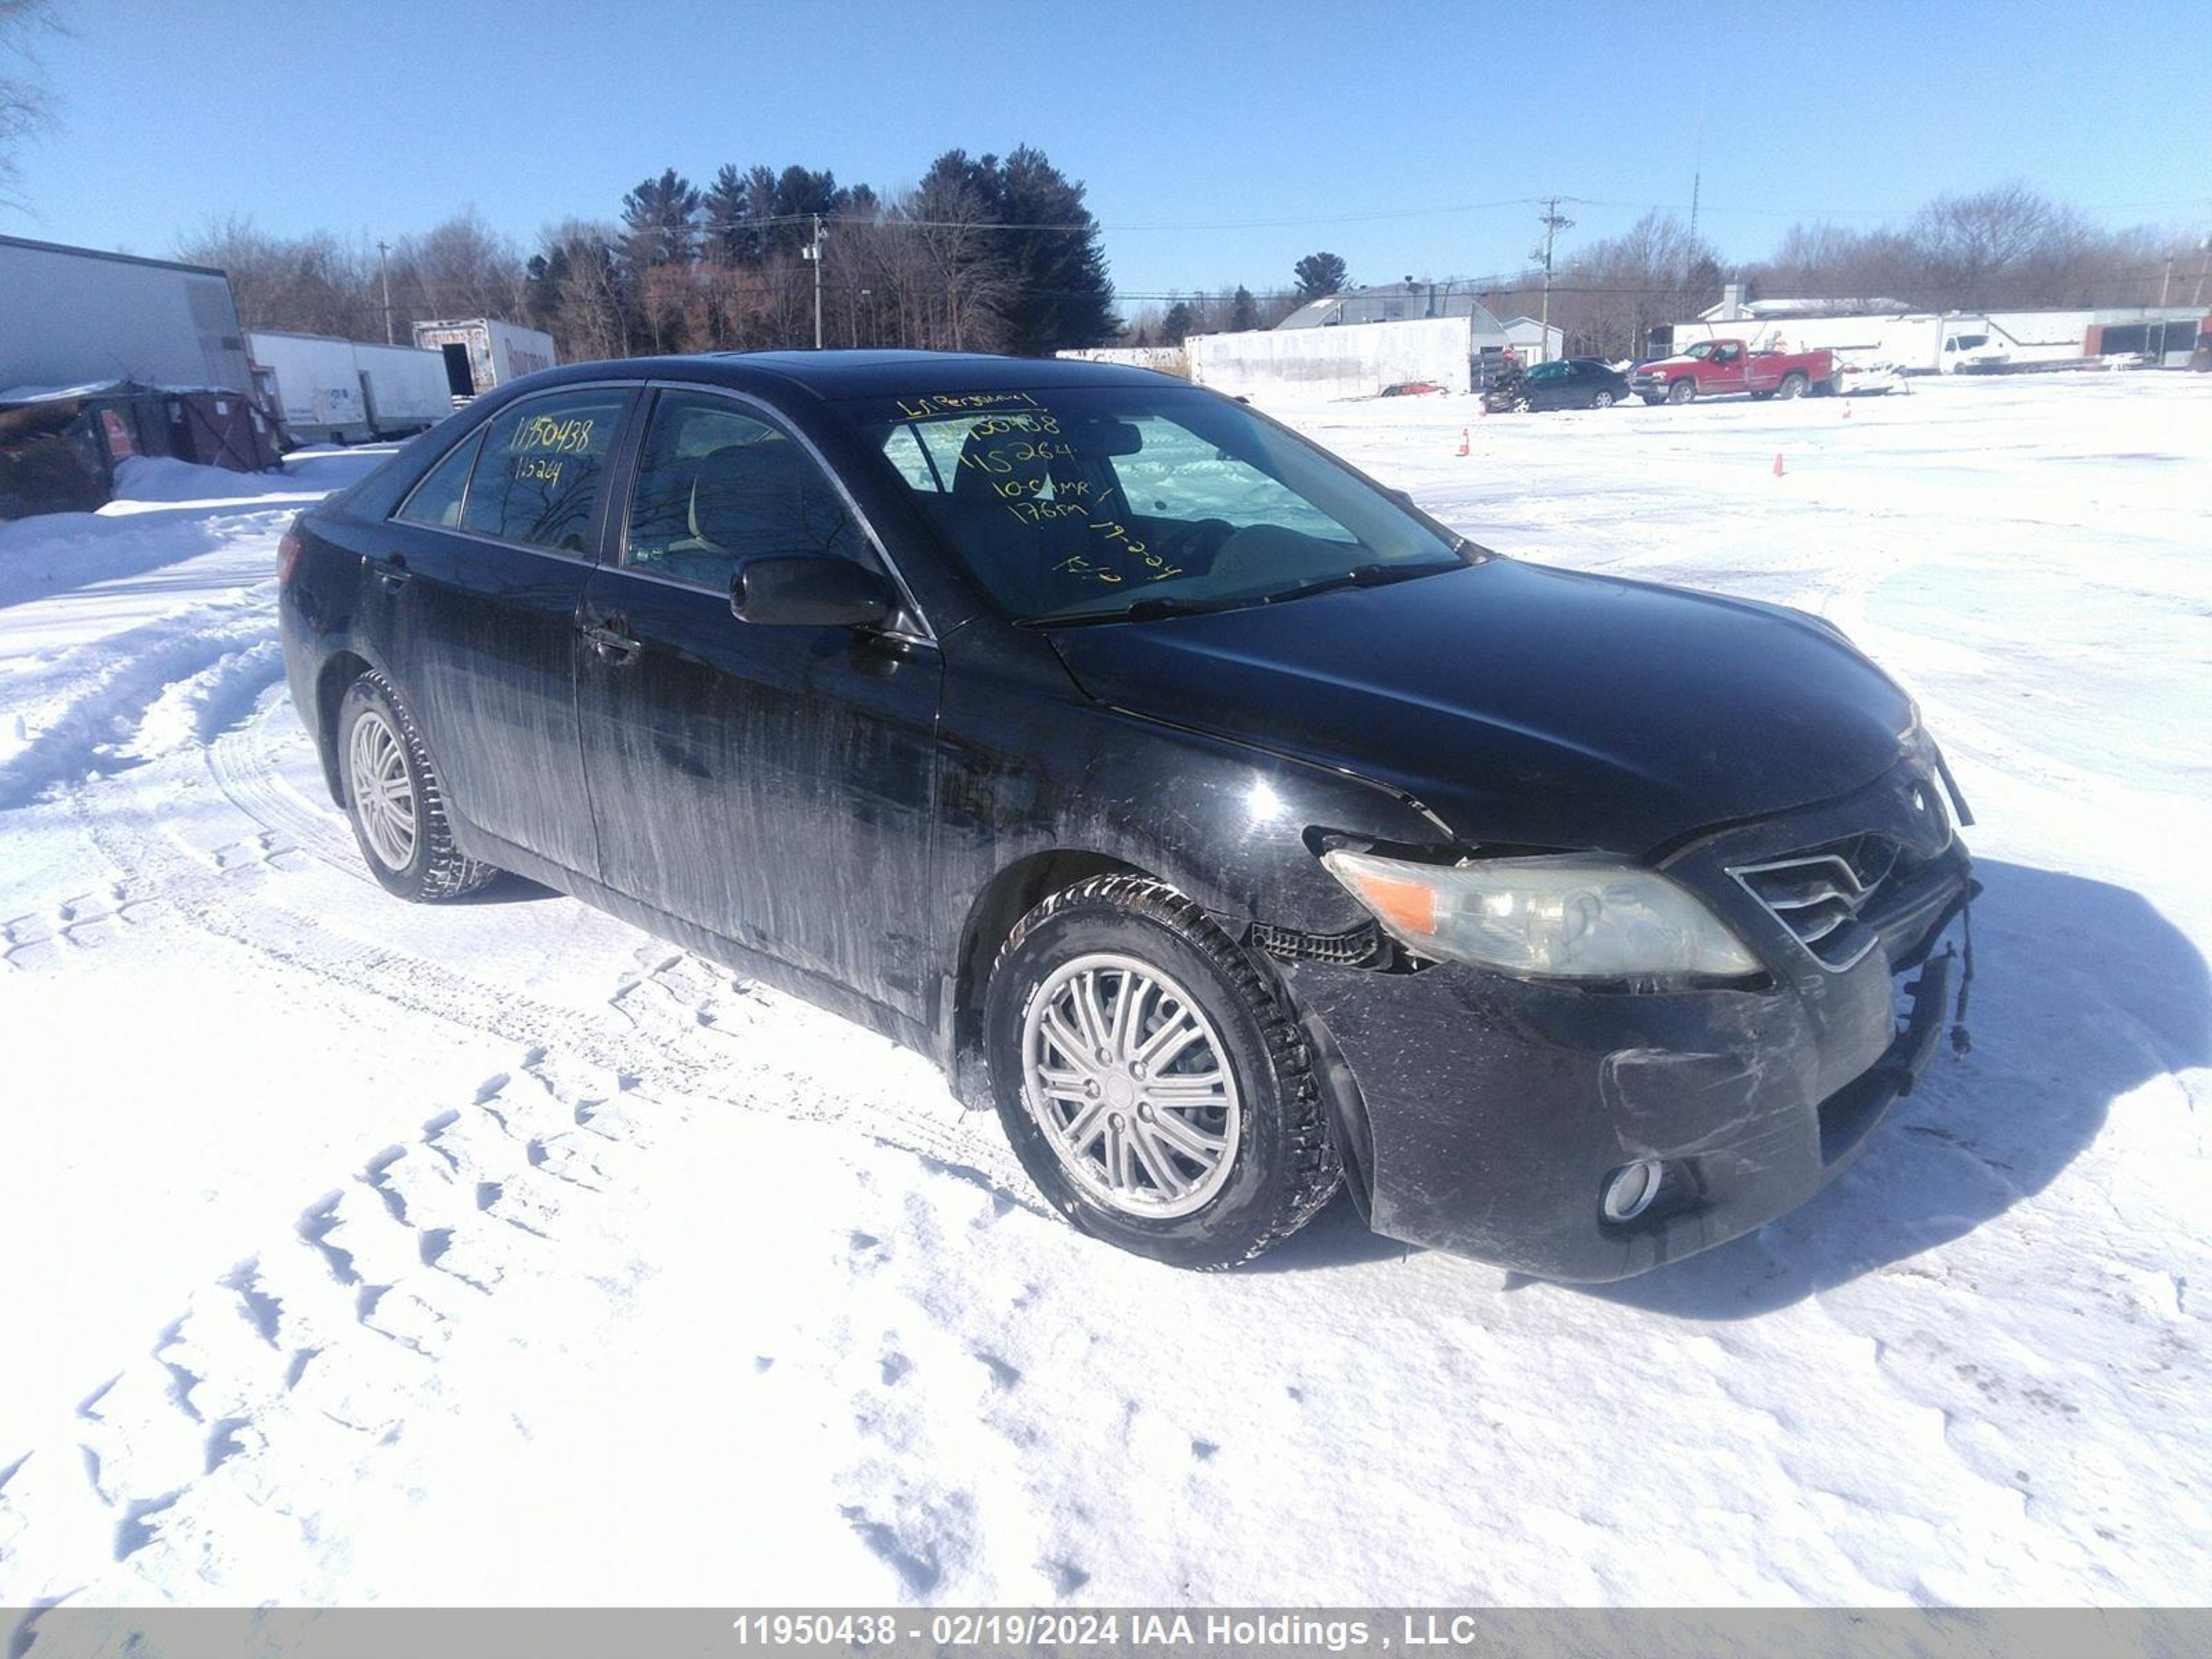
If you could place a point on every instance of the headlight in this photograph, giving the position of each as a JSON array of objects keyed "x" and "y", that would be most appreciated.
[{"x": 1564, "y": 917}]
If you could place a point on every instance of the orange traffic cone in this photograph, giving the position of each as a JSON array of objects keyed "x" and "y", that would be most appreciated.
[
  {"x": 1463, "y": 448},
  {"x": 1778, "y": 463}
]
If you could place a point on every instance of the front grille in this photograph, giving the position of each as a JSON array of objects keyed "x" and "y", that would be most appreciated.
[{"x": 1827, "y": 896}]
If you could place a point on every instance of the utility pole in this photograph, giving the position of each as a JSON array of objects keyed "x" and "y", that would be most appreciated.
[
  {"x": 384, "y": 261},
  {"x": 2165, "y": 285},
  {"x": 1554, "y": 223},
  {"x": 814, "y": 253}
]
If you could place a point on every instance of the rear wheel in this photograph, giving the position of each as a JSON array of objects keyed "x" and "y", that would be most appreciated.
[
  {"x": 1682, "y": 391},
  {"x": 1793, "y": 385},
  {"x": 394, "y": 801},
  {"x": 1153, "y": 1084}
]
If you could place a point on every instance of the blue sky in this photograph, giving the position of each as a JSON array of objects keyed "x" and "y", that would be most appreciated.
[{"x": 1219, "y": 141}]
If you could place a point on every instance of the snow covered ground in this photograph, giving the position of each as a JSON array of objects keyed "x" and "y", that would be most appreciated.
[{"x": 359, "y": 1252}]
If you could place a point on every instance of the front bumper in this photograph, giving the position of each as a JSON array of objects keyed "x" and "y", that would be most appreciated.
[{"x": 1485, "y": 1114}]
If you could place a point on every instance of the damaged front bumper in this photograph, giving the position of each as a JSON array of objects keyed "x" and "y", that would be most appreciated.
[{"x": 1485, "y": 1115}]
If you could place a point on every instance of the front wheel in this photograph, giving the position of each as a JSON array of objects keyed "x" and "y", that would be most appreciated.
[
  {"x": 1153, "y": 1084},
  {"x": 393, "y": 799},
  {"x": 1601, "y": 400},
  {"x": 1682, "y": 391}
]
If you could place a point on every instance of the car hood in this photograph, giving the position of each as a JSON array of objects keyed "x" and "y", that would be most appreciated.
[{"x": 1525, "y": 704}]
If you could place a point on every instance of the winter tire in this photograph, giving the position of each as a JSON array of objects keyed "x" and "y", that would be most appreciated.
[
  {"x": 1681, "y": 391},
  {"x": 393, "y": 799},
  {"x": 1151, "y": 1079}
]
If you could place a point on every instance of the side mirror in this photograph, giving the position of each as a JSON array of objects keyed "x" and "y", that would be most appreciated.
[{"x": 810, "y": 593}]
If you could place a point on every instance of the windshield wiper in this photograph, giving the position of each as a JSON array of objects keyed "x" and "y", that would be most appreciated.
[
  {"x": 1361, "y": 575},
  {"x": 1146, "y": 610}
]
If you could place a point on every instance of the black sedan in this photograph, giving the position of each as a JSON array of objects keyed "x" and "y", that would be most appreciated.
[
  {"x": 1231, "y": 826},
  {"x": 1563, "y": 383}
]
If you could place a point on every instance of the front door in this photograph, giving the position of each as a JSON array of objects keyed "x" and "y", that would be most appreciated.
[
  {"x": 773, "y": 785},
  {"x": 475, "y": 587}
]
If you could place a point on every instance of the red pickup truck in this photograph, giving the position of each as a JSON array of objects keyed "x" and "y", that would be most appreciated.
[{"x": 1724, "y": 368}]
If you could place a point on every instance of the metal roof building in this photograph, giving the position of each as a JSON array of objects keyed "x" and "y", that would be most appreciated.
[{"x": 1402, "y": 302}]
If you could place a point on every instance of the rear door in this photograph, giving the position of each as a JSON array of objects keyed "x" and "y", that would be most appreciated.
[
  {"x": 474, "y": 592},
  {"x": 774, "y": 785}
]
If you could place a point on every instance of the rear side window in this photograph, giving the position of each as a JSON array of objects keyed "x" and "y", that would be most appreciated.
[
  {"x": 717, "y": 485},
  {"x": 537, "y": 478},
  {"x": 437, "y": 499}
]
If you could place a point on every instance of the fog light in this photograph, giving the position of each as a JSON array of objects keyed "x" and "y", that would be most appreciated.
[{"x": 1630, "y": 1189}]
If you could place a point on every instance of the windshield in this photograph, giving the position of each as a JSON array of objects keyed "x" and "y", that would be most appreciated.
[{"x": 1094, "y": 504}]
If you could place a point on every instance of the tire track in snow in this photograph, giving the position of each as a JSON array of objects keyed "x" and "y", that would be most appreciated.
[
  {"x": 388, "y": 1259},
  {"x": 338, "y": 1325},
  {"x": 81, "y": 714}
]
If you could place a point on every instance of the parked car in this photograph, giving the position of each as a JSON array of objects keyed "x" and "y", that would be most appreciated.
[
  {"x": 1563, "y": 383},
  {"x": 1724, "y": 368},
  {"x": 1232, "y": 826}
]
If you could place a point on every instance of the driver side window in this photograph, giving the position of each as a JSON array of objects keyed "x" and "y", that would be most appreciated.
[{"x": 718, "y": 484}]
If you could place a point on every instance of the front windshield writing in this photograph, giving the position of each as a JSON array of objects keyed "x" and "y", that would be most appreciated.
[{"x": 1085, "y": 503}]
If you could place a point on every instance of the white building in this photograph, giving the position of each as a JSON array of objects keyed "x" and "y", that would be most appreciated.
[
  {"x": 1403, "y": 302},
  {"x": 1532, "y": 342}
]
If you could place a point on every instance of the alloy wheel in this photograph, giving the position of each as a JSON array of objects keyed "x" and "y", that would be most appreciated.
[
  {"x": 1131, "y": 1085},
  {"x": 383, "y": 793}
]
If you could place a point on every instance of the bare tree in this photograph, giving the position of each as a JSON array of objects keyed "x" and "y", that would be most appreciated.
[
  {"x": 25, "y": 106},
  {"x": 462, "y": 267},
  {"x": 311, "y": 284}
]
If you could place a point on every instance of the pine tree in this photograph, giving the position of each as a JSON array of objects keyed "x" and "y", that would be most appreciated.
[
  {"x": 661, "y": 222},
  {"x": 1319, "y": 274},
  {"x": 1176, "y": 325},
  {"x": 1244, "y": 313},
  {"x": 1062, "y": 296}
]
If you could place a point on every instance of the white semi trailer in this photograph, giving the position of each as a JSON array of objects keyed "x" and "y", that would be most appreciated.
[
  {"x": 332, "y": 391},
  {"x": 403, "y": 387},
  {"x": 70, "y": 316},
  {"x": 316, "y": 387},
  {"x": 482, "y": 352}
]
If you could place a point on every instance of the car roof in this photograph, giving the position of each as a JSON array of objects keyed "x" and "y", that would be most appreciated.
[{"x": 840, "y": 373}]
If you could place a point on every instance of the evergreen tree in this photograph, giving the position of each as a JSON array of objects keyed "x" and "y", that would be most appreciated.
[
  {"x": 1244, "y": 313},
  {"x": 661, "y": 222},
  {"x": 728, "y": 210},
  {"x": 1319, "y": 274},
  {"x": 1176, "y": 327},
  {"x": 1060, "y": 296}
]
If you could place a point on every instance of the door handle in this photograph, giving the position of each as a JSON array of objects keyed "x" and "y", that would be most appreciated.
[
  {"x": 610, "y": 642},
  {"x": 392, "y": 573}
]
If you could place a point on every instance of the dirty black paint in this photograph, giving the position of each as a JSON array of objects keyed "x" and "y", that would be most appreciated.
[{"x": 834, "y": 809}]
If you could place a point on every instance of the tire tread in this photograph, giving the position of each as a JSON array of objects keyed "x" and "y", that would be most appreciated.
[
  {"x": 447, "y": 872},
  {"x": 1317, "y": 1168}
]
